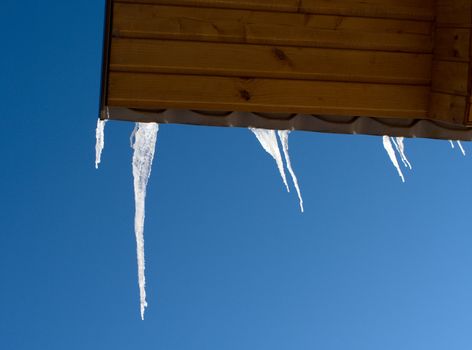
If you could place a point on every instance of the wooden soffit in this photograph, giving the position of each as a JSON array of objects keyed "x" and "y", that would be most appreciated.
[{"x": 396, "y": 67}]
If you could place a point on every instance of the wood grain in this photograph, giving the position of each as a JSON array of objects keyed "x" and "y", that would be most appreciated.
[
  {"x": 448, "y": 107},
  {"x": 451, "y": 77},
  {"x": 452, "y": 44},
  {"x": 144, "y": 90},
  {"x": 452, "y": 61},
  {"x": 412, "y": 9},
  {"x": 204, "y": 24},
  {"x": 182, "y": 57},
  {"x": 454, "y": 13}
]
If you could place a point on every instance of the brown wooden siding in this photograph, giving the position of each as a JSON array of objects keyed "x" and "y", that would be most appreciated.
[
  {"x": 375, "y": 58},
  {"x": 144, "y": 90},
  {"x": 451, "y": 83},
  {"x": 412, "y": 9},
  {"x": 358, "y": 57}
]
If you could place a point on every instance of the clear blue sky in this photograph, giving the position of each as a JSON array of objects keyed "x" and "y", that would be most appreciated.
[{"x": 231, "y": 262}]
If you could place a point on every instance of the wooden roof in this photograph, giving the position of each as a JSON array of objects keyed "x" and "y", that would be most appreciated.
[{"x": 397, "y": 67}]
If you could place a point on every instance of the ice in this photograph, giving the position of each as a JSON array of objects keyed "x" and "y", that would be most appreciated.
[
  {"x": 391, "y": 153},
  {"x": 400, "y": 146},
  {"x": 100, "y": 141},
  {"x": 145, "y": 136},
  {"x": 133, "y": 133},
  {"x": 268, "y": 140},
  {"x": 462, "y": 148},
  {"x": 283, "y": 136}
]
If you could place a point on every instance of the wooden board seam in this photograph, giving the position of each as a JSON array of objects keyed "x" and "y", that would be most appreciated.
[
  {"x": 251, "y": 78},
  {"x": 127, "y": 35},
  {"x": 300, "y": 9}
]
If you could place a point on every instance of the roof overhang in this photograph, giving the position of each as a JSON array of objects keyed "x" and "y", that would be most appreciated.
[{"x": 395, "y": 67}]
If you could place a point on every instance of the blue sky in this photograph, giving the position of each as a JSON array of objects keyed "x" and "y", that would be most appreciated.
[{"x": 231, "y": 263}]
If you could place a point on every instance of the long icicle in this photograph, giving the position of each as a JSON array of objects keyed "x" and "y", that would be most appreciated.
[
  {"x": 268, "y": 141},
  {"x": 100, "y": 141},
  {"x": 283, "y": 136},
  {"x": 391, "y": 153},
  {"x": 144, "y": 145}
]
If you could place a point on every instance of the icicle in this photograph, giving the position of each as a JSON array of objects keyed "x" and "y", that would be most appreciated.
[
  {"x": 145, "y": 137},
  {"x": 133, "y": 133},
  {"x": 462, "y": 148},
  {"x": 283, "y": 136},
  {"x": 268, "y": 140},
  {"x": 400, "y": 146},
  {"x": 391, "y": 153},
  {"x": 100, "y": 141}
]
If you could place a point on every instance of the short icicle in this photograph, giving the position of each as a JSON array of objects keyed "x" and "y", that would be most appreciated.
[
  {"x": 283, "y": 136},
  {"x": 391, "y": 153},
  {"x": 451, "y": 142},
  {"x": 100, "y": 141},
  {"x": 268, "y": 141},
  {"x": 461, "y": 147},
  {"x": 145, "y": 136},
  {"x": 400, "y": 146}
]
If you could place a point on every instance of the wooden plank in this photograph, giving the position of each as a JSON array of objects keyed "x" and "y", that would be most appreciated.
[
  {"x": 403, "y": 9},
  {"x": 185, "y": 23},
  {"x": 220, "y": 16},
  {"x": 141, "y": 90},
  {"x": 448, "y": 107},
  {"x": 454, "y": 13},
  {"x": 451, "y": 77},
  {"x": 452, "y": 44},
  {"x": 469, "y": 113},
  {"x": 264, "y": 5},
  {"x": 451, "y": 68},
  {"x": 182, "y": 57}
]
